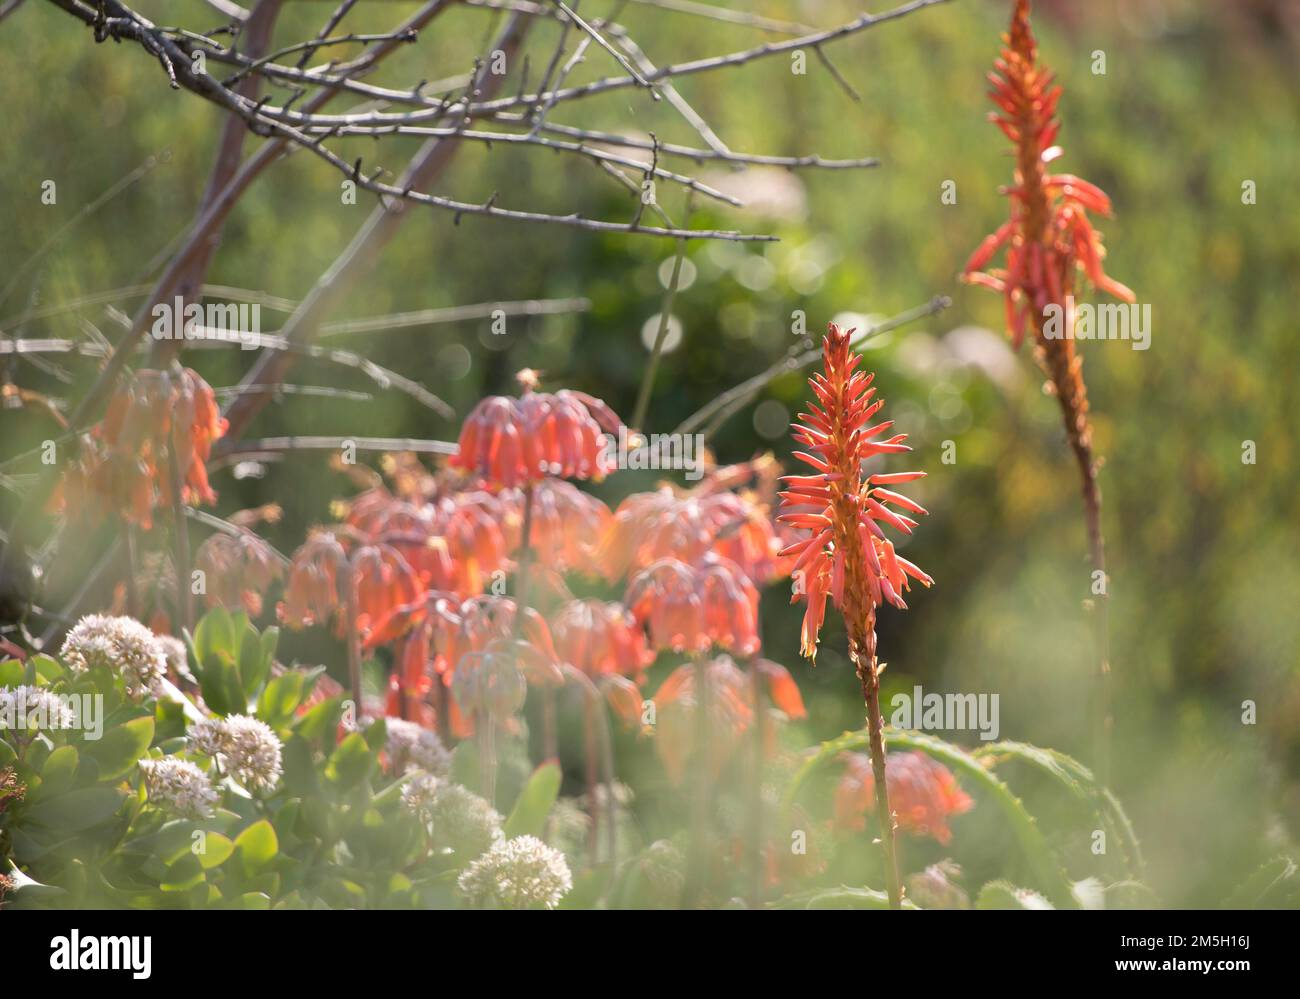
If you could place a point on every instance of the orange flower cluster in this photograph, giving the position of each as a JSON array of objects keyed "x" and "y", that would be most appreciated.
[
  {"x": 155, "y": 420},
  {"x": 923, "y": 792},
  {"x": 601, "y": 638},
  {"x": 730, "y": 710},
  {"x": 512, "y": 442},
  {"x": 667, "y": 524},
  {"x": 329, "y": 582},
  {"x": 689, "y": 608},
  {"x": 847, "y": 556},
  {"x": 238, "y": 569},
  {"x": 1049, "y": 236},
  {"x": 567, "y": 524}
]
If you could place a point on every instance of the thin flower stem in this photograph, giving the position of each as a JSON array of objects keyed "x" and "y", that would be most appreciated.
[
  {"x": 1063, "y": 368},
  {"x": 697, "y": 862},
  {"x": 869, "y": 674},
  {"x": 756, "y": 789},
  {"x": 353, "y": 642},
  {"x": 132, "y": 564},
  {"x": 185, "y": 600},
  {"x": 652, "y": 365}
]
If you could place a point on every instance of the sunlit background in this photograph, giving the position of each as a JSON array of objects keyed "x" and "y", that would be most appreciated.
[{"x": 1204, "y": 548}]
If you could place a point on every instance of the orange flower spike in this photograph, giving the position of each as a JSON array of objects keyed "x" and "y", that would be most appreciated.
[
  {"x": 846, "y": 557},
  {"x": 1049, "y": 236}
]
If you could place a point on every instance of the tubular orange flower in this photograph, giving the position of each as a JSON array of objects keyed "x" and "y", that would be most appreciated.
[
  {"x": 667, "y": 524},
  {"x": 237, "y": 568},
  {"x": 512, "y": 442},
  {"x": 924, "y": 792}
]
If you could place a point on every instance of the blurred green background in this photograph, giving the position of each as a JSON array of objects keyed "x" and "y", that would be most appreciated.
[{"x": 1204, "y": 549}]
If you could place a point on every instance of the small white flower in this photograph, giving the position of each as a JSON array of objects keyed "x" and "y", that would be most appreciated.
[
  {"x": 519, "y": 873},
  {"x": 413, "y": 747},
  {"x": 121, "y": 644},
  {"x": 419, "y": 794},
  {"x": 208, "y": 736},
  {"x": 176, "y": 656},
  {"x": 244, "y": 746},
  {"x": 34, "y": 708},
  {"x": 180, "y": 786}
]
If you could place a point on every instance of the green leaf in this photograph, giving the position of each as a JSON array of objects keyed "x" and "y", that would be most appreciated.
[
  {"x": 222, "y": 690},
  {"x": 59, "y": 770},
  {"x": 76, "y": 810},
  {"x": 256, "y": 846},
  {"x": 12, "y": 673},
  {"x": 46, "y": 668},
  {"x": 351, "y": 762},
  {"x": 254, "y": 666},
  {"x": 216, "y": 850},
  {"x": 120, "y": 748},
  {"x": 528, "y": 817},
  {"x": 281, "y": 697},
  {"x": 215, "y": 635}
]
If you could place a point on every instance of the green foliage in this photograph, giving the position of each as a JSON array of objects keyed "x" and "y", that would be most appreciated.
[{"x": 333, "y": 832}]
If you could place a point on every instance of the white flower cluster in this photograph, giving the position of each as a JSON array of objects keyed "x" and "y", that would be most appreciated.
[
  {"x": 419, "y": 793},
  {"x": 461, "y": 821},
  {"x": 180, "y": 786},
  {"x": 243, "y": 746},
  {"x": 519, "y": 873},
  {"x": 412, "y": 747},
  {"x": 32, "y": 707},
  {"x": 121, "y": 644}
]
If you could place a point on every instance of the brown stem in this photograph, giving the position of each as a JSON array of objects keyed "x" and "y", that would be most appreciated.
[
  {"x": 869, "y": 674},
  {"x": 1065, "y": 370}
]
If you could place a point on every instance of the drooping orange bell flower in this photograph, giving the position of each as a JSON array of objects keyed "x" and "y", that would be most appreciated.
[
  {"x": 923, "y": 792},
  {"x": 158, "y": 424},
  {"x": 238, "y": 568}
]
